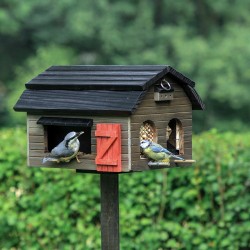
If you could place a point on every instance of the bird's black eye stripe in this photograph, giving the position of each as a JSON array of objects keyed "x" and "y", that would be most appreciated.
[{"x": 67, "y": 141}]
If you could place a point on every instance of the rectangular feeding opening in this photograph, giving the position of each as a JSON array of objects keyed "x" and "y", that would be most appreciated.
[{"x": 55, "y": 129}]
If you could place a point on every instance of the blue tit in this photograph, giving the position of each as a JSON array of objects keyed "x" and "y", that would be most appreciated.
[
  {"x": 156, "y": 152},
  {"x": 65, "y": 150}
]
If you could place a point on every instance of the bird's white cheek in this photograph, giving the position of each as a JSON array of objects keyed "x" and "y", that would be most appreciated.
[{"x": 74, "y": 146}]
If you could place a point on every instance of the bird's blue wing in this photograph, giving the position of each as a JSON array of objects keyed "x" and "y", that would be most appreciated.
[
  {"x": 156, "y": 148},
  {"x": 61, "y": 151}
]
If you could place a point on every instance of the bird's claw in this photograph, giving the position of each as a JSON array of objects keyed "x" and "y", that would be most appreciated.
[
  {"x": 78, "y": 159},
  {"x": 81, "y": 154}
]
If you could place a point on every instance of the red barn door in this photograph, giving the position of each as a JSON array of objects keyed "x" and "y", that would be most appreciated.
[{"x": 108, "y": 157}]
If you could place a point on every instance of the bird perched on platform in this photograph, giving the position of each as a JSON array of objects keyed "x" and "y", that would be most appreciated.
[
  {"x": 156, "y": 152},
  {"x": 65, "y": 150}
]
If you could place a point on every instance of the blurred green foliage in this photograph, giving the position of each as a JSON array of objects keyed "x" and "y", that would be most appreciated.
[
  {"x": 44, "y": 58},
  {"x": 206, "y": 40},
  {"x": 201, "y": 207}
]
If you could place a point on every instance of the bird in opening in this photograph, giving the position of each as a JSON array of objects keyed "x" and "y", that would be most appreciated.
[
  {"x": 156, "y": 152},
  {"x": 65, "y": 150}
]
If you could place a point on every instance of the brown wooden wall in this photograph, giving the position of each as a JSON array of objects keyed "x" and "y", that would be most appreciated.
[
  {"x": 36, "y": 144},
  {"x": 158, "y": 112},
  {"x": 161, "y": 113}
]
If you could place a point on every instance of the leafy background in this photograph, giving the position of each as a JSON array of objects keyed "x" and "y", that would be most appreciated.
[
  {"x": 205, "y": 40},
  {"x": 202, "y": 207}
]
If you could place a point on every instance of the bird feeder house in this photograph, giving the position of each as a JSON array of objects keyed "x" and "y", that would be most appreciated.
[{"x": 116, "y": 107}]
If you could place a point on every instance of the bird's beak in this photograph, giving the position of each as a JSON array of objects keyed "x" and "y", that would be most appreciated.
[{"x": 79, "y": 133}]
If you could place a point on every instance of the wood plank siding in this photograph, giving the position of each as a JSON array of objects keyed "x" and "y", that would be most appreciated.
[
  {"x": 161, "y": 113},
  {"x": 158, "y": 112},
  {"x": 37, "y": 144}
]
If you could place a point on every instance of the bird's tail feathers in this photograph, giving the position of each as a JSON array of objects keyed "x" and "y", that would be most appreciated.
[
  {"x": 46, "y": 159},
  {"x": 172, "y": 155},
  {"x": 177, "y": 157}
]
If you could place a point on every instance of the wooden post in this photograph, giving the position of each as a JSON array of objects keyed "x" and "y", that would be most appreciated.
[{"x": 110, "y": 211}]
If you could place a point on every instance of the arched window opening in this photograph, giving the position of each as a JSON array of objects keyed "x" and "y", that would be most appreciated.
[
  {"x": 147, "y": 132},
  {"x": 175, "y": 140}
]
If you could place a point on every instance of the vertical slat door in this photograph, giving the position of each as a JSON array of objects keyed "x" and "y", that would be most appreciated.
[{"x": 108, "y": 157}]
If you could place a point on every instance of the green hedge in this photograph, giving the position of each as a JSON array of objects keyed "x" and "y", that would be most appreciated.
[{"x": 202, "y": 207}]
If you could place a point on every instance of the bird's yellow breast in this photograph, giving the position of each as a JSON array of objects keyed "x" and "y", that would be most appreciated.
[{"x": 155, "y": 156}]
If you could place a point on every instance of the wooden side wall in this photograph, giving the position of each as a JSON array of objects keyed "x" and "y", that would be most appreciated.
[
  {"x": 161, "y": 113},
  {"x": 36, "y": 144}
]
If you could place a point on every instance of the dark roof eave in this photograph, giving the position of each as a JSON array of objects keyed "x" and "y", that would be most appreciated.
[
  {"x": 180, "y": 76},
  {"x": 40, "y": 111},
  {"x": 197, "y": 103}
]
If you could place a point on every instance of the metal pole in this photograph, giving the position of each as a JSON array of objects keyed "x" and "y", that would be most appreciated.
[{"x": 110, "y": 211}]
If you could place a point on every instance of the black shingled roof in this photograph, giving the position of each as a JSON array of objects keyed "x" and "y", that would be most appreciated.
[{"x": 114, "y": 90}]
